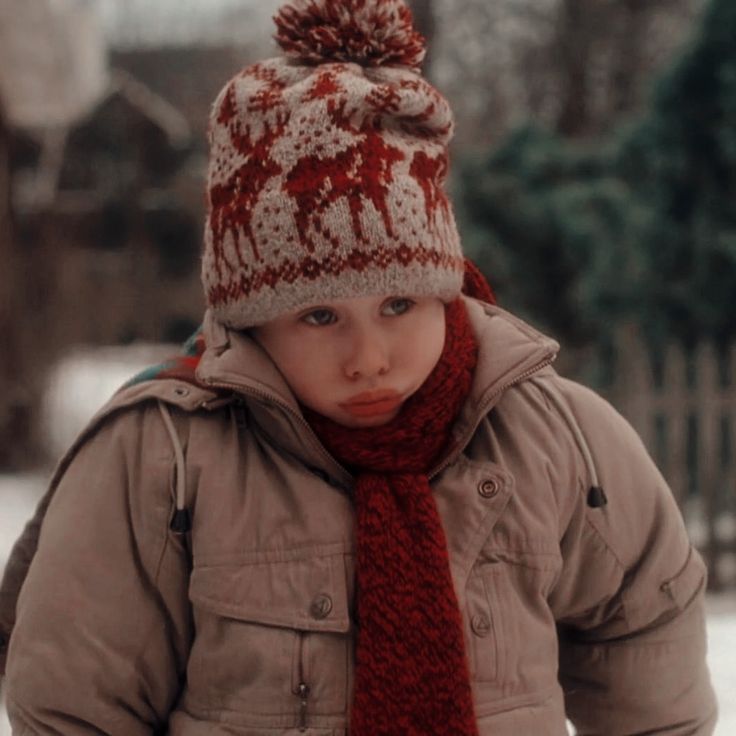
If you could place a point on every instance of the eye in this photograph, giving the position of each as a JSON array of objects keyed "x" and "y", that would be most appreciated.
[
  {"x": 399, "y": 306},
  {"x": 319, "y": 317}
]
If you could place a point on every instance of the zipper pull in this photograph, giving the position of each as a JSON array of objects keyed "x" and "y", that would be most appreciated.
[{"x": 303, "y": 693}]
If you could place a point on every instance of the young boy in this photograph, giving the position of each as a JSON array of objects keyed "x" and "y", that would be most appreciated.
[{"x": 363, "y": 502}]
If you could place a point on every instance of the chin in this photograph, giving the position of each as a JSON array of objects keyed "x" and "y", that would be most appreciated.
[{"x": 348, "y": 420}]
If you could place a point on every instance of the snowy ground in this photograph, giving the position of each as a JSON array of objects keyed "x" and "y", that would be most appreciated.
[{"x": 83, "y": 383}]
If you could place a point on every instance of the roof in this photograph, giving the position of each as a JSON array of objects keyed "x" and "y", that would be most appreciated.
[{"x": 53, "y": 65}]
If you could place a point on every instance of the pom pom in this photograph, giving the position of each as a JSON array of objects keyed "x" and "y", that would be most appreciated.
[{"x": 367, "y": 32}]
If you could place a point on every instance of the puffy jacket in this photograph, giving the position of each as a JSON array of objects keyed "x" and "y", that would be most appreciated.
[{"x": 577, "y": 601}]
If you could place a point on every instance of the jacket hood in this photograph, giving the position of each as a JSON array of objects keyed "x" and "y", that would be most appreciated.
[
  {"x": 219, "y": 365},
  {"x": 509, "y": 351}
]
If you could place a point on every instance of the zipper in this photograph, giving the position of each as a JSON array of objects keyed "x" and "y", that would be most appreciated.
[
  {"x": 303, "y": 693},
  {"x": 274, "y": 400},
  {"x": 302, "y": 689}
]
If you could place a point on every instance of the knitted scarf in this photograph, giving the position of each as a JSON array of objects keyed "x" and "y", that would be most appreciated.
[{"x": 411, "y": 676}]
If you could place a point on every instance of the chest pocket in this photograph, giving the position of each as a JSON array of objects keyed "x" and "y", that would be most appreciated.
[
  {"x": 510, "y": 627},
  {"x": 272, "y": 639}
]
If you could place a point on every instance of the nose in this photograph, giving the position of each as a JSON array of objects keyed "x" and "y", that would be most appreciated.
[{"x": 368, "y": 354}]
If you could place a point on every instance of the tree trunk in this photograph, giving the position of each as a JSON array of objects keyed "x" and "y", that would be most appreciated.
[
  {"x": 628, "y": 63},
  {"x": 424, "y": 22},
  {"x": 19, "y": 382},
  {"x": 574, "y": 51}
]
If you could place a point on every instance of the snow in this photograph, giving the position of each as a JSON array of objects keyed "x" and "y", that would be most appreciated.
[
  {"x": 721, "y": 626},
  {"x": 140, "y": 23},
  {"x": 83, "y": 382}
]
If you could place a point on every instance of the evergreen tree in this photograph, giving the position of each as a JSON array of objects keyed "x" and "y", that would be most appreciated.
[
  {"x": 556, "y": 232},
  {"x": 578, "y": 237},
  {"x": 682, "y": 161}
]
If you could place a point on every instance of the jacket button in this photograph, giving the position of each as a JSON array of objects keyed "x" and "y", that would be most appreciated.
[
  {"x": 481, "y": 625},
  {"x": 321, "y": 607},
  {"x": 488, "y": 488}
]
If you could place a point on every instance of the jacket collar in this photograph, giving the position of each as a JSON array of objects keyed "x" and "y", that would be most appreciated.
[{"x": 509, "y": 351}]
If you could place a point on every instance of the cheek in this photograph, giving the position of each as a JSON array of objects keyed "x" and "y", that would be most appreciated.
[
  {"x": 305, "y": 367},
  {"x": 436, "y": 340},
  {"x": 424, "y": 345}
]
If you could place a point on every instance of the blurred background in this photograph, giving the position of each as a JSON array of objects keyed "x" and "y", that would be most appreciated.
[{"x": 594, "y": 178}]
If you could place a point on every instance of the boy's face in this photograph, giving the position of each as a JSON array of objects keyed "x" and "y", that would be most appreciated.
[{"x": 357, "y": 360}]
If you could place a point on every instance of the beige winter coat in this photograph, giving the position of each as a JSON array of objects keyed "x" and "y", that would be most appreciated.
[{"x": 114, "y": 635}]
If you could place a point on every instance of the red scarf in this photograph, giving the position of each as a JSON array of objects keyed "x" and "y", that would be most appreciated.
[{"x": 411, "y": 676}]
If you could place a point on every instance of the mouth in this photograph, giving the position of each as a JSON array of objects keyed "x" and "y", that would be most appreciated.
[{"x": 373, "y": 403}]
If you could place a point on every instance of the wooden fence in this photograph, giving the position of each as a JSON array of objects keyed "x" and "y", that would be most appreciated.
[{"x": 683, "y": 404}]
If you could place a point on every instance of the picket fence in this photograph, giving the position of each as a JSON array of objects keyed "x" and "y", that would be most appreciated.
[{"x": 683, "y": 404}]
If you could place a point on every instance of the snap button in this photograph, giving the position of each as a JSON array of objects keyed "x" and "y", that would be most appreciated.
[
  {"x": 321, "y": 606},
  {"x": 179, "y": 391},
  {"x": 488, "y": 488},
  {"x": 481, "y": 625}
]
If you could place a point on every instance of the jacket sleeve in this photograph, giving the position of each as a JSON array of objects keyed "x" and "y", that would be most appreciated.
[
  {"x": 630, "y": 600},
  {"x": 103, "y": 627}
]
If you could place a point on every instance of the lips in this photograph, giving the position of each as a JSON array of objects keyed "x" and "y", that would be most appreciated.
[{"x": 372, "y": 403}]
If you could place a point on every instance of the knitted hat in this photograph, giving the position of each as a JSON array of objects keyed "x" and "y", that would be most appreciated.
[{"x": 327, "y": 168}]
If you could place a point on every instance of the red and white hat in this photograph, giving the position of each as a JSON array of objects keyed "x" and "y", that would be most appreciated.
[{"x": 327, "y": 168}]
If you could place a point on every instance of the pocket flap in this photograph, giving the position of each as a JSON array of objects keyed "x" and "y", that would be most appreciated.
[
  {"x": 687, "y": 582},
  {"x": 308, "y": 594}
]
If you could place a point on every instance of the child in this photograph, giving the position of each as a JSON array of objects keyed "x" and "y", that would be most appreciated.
[{"x": 362, "y": 502}]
